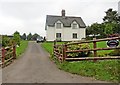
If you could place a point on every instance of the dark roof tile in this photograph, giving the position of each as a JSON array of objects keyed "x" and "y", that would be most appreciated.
[{"x": 67, "y": 20}]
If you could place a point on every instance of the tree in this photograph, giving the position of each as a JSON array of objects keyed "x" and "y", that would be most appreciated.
[
  {"x": 95, "y": 29},
  {"x": 111, "y": 16},
  {"x": 29, "y": 36},
  {"x": 17, "y": 38},
  {"x": 35, "y": 36},
  {"x": 24, "y": 37},
  {"x": 111, "y": 21}
]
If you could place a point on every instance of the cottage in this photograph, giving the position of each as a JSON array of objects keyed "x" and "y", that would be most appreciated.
[{"x": 64, "y": 28}]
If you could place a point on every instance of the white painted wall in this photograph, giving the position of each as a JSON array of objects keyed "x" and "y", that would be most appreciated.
[{"x": 67, "y": 33}]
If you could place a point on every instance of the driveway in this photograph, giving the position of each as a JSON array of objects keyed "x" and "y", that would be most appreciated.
[{"x": 34, "y": 66}]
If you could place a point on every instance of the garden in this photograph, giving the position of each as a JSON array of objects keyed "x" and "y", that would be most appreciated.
[{"x": 107, "y": 70}]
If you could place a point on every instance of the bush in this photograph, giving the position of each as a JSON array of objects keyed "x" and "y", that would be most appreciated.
[
  {"x": 6, "y": 41},
  {"x": 79, "y": 47}
]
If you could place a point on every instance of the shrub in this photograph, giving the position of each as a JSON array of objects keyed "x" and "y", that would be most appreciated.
[
  {"x": 6, "y": 41},
  {"x": 79, "y": 47}
]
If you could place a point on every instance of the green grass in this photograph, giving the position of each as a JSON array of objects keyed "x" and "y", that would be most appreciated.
[
  {"x": 108, "y": 70},
  {"x": 102, "y": 70},
  {"x": 101, "y": 45},
  {"x": 49, "y": 46},
  {"x": 22, "y": 48}
]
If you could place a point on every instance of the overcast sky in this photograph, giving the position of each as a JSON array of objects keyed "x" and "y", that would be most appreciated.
[{"x": 28, "y": 16}]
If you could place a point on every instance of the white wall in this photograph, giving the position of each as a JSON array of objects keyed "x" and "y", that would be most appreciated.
[
  {"x": 50, "y": 33},
  {"x": 67, "y": 33}
]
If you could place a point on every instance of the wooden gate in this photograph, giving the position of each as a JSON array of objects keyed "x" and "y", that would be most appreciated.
[
  {"x": 8, "y": 54},
  {"x": 62, "y": 54}
]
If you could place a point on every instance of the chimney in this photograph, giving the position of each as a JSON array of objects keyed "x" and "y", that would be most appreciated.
[{"x": 63, "y": 13}]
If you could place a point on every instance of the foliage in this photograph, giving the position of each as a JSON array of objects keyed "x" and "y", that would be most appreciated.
[
  {"x": 79, "y": 47},
  {"x": 17, "y": 38},
  {"x": 29, "y": 36},
  {"x": 110, "y": 25},
  {"x": 103, "y": 70},
  {"x": 96, "y": 30},
  {"x": 111, "y": 16},
  {"x": 6, "y": 41},
  {"x": 111, "y": 22},
  {"x": 24, "y": 37},
  {"x": 35, "y": 36}
]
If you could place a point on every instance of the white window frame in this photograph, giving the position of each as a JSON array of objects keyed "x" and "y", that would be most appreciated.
[
  {"x": 74, "y": 26},
  {"x": 58, "y": 36},
  {"x": 73, "y": 35},
  {"x": 58, "y": 25}
]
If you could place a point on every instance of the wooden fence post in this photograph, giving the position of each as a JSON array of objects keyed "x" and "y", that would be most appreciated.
[
  {"x": 54, "y": 47},
  {"x": 14, "y": 51},
  {"x": 3, "y": 56},
  {"x": 64, "y": 51},
  {"x": 95, "y": 46}
]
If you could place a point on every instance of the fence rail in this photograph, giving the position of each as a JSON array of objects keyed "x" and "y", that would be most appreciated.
[
  {"x": 62, "y": 53},
  {"x": 8, "y": 55}
]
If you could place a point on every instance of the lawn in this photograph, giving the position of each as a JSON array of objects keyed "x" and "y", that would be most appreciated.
[
  {"x": 101, "y": 45},
  {"x": 49, "y": 46},
  {"x": 21, "y": 48},
  {"x": 103, "y": 70}
]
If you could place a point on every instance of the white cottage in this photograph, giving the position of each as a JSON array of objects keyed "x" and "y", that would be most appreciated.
[{"x": 64, "y": 28}]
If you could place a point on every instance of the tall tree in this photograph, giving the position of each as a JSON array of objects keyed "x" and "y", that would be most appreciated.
[
  {"x": 111, "y": 21},
  {"x": 29, "y": 36},
  {"x": 35, "y": 36},
  {"x": 17, "y": 38},
  {"x": 24, "y": 37},
  {"x": 111, "y": 16}
]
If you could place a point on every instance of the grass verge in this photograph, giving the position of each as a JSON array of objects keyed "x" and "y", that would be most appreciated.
[
  {"x": 22, "y": 48},
  {"x": 108, "y": 70}
]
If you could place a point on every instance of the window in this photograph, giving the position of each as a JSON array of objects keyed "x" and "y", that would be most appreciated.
[
  {"x": 58, "y": 35},
  {"x": 74, "y": 35},
  {"x": 58, "y": 25},
  {"x": 74, "y": 26}
]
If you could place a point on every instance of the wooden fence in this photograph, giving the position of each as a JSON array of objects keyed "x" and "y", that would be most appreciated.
[
  {"x": 62, "y": 54},
  {"x": 8, "y": 55}
]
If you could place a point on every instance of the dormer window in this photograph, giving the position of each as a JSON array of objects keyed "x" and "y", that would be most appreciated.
[
  {"x": 74, "y": 26},
  {"x": 58, "y": 25}
]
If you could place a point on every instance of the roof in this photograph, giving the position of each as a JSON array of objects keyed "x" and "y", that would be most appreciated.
[{"x": 66, "y": 20}]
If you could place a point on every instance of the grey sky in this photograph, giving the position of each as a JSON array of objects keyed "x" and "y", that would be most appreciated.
[{"x": 30, "y": 15}]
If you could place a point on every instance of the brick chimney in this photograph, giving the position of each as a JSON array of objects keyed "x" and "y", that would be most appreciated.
[{"x": 63, "y": 13}]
